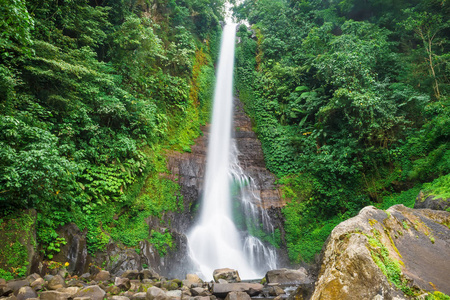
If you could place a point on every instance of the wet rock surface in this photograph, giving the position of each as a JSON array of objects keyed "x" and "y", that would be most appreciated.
[{"x": 418, "y": 240}]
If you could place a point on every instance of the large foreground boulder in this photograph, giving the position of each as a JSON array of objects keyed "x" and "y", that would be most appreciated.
[{"x": 386, "y": 254}]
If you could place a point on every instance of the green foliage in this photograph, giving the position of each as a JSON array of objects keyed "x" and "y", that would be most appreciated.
[
  {"x": 439, "y": 188},
  {"x": 161, "y": 241},
  {"x": 350, "y": 109},
  {"x": 89, "y": 94},
  {"x": 437, "y": 296}
]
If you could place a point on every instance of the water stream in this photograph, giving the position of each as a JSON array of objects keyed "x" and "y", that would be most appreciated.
[{"x": 215, "y": 241}]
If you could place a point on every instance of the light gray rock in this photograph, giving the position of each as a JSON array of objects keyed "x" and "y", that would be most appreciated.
[
  {"x": 26, "y": 292},
  {"x": 31, "y": 278},
  {"x": 227, "y": 274},
  {"x": 5, "y": 290},
  {"x": 154, "y": 293},
  {"x": 198, "y": 291},
  {"x": 193, "y": 278},
  {"x": 93, "y": 291}
]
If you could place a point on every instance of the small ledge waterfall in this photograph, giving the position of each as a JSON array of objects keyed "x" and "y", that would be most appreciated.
[{"x": 215, "y": 241}]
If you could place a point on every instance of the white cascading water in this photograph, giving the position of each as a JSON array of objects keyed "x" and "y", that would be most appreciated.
[{"x": 215, "y": 242}]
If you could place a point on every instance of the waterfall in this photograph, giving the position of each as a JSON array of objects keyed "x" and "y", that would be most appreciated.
[{"x": 215, "y": 241}]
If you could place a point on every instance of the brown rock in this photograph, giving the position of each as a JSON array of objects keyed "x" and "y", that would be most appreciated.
[
  {"x": 33, "y": 277},
  {"x": 26, "y": 292},
  {"x": 15, "y": 285},
  {"x": 119, "y": 298},
  {"x": 123, "y": 283},
  {"x": 131, "y": 274},
  {"x": 221, "y": 290},
  {"x": 56, "y": 282},
  {"x": 198, "y": 291},
  {"x": 93, "y": 291},
  {"x": 237, "y": 296},
  {"x": 227, "y": 274},
  {"x": 113, "y": 290},
  {"x": 38, "y": 284},
  {"x": 54, "y": 295},
  {"x": 102, "y": 276},
  {"x": 139, "y": 296},
  {"x": 287, "y": 276},
  {"x": 5, "y": 291},
  {"x": 276, "y": 291},
  {"x": 155, "y": 293}
]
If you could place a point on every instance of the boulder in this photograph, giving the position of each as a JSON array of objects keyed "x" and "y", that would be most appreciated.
[
  {"x": 412, "y": 244},
  {"x": 26, "y": 292},
  {"x": 113, "y": 290},
  {"x": 55, "y": 295},
  {"x": 229, "y": 275},
  {"x": 93, "y": 291},
  {"x": 69, "y": 290},
  {"x": 176, "y": 294},
  {"x": 432, "y": 202},
  {"x": 238, "y": 296},
  {"x": 119, "y": 298},
  {"x": 170, "y": 285},
  {"x": 221, "y": 290},
  {"x": 155, "y": 293},
  {"x": 102, "y": 276},
  {"x": 193, "y": 278},
  {"x": 198, "y": 291},
  {"x": 5, "y": 290},
  {"x": 131, "y": 274},
  {"x": 123, "y": 283},
  {"x": 31, "y": 278},
  {"x": 15, "y": 285},
  {"x": 38, "y": 284},
  {"x": 275, "y": 291},
  {"x": 56, "y": 282},
  {"x": 139, "y": 296},
  {"x": 149, "y": 274},
  {"x": 2, "y": 281},
  {"x": 287, "y": 276}
]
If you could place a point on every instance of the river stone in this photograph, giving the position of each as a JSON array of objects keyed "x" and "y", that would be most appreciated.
[
  {"x": 155, "y": 293},
  {"x": 221, "y": 290},
  {"x": 139, "y": 296},
  {"x": 119, "y": 298},
  {"x": 193, "y": 278},
  {"x": 174, "y": 294},
  {"x": 102, "y": 276},
  {"x": 123, "y": 283},
  {"x": 113, "y": 290},
  {"x": 48, "y": 277},
  {"x": 33, "y": 277},
  {"x": 5, "y": 290},
  {"x": 227, "y": 274},
  {"x": 198, "y": 291},
  {"x": 286, "y": 276},
  {"x": 15, "y": 285},
  {"x": 276, "y": 291},
  {"x": 130, "y": 274},
  {"x": 38, "y": 284},
  {"x": 26, "y": 292},
  {"x": 237, "y": 296},
  {"x": 54, "y": 295},
  {"x": 56, "y": 282},
  {"x": 92, "y": 291},
  {"x": 418, "y": 238},
  {"x": 149, "y": 274}
]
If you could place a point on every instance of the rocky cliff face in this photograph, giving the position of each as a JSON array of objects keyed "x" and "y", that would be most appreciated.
[{"x": 393, "y": 254}]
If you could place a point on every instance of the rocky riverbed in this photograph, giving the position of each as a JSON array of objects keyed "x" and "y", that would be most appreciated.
[{"x": 148, "y": 285}]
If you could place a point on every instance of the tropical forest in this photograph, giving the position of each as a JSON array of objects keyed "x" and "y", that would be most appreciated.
[{"x": 341, "y": 137}]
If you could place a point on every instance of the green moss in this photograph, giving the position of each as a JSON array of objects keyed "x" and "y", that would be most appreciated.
[
  {"x": 437, "y": 296},
  {"x": 439, "y": 188}
]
